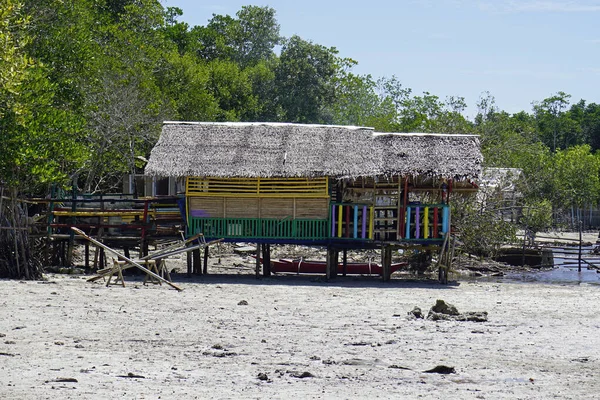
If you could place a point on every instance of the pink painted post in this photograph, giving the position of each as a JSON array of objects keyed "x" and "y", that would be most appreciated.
[
  {"x": 333, "y": 221},
  {"x": 417, "y": 222}
]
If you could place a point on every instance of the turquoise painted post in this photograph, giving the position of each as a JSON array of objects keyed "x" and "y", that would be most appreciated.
[
  {"x": 407, "y": 222},
  {"x": 355, "y": 222},
  {"x": 446, "y": 219}
]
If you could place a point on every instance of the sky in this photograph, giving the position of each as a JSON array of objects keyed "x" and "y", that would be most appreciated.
[{"x": 519, "y": 51}]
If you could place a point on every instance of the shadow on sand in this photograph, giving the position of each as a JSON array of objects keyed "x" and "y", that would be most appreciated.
[{"x": 313, "y": 280}]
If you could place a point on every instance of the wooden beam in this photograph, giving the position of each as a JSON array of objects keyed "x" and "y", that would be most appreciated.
[{"x": 144, "y": 269}]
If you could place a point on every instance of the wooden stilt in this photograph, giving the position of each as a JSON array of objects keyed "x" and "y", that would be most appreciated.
[
  {"x": 96, "y": 255},
  {"x": 345, "y": 262},
  {"x": 189, "y": 264},
  {"x": 335, "y": 263},
  {"x": 332, "y": 262},
  {"x": 257, "y": 260},
  {"x": 329, "y": 266},
  {"x": 266, "y": 259},
  {"x": 87, "y": 255},
  {"x": 205, "y": 270},
  {"x": 441, "y": 262},
  {"x": 386, "y": 263},
  {"x": 71, "y": 245},
  {"x": 197, "y": 265},
  {"x": 61, "y": 253},
  {"x": 47, "y": 251},
  {"x": 101, "y": 259}
]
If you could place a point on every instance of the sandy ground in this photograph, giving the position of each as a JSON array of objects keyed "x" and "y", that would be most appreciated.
[{"x": 352, "y": 336}]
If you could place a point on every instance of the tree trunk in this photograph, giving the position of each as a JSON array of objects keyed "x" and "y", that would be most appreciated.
[{"x": 17, "y": 259}]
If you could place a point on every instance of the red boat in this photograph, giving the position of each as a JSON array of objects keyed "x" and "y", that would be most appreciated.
[{"x": 319, "y": 267}]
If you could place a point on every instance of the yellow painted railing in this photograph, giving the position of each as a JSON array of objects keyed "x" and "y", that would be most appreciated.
[{"x": 257, "y": 187}]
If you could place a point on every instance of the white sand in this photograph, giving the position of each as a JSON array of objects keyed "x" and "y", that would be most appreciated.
[{"x": 541, "y": 341}]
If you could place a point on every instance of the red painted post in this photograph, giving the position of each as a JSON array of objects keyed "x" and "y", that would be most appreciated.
[
  {"x": 435, "y": 222},
  {"x": 347, "y": 221}
]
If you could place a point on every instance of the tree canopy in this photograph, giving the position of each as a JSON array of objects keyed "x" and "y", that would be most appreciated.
[{"x": 84, "y": 86}]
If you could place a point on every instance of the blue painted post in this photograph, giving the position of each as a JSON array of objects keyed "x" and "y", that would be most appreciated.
[{"x": 445, "y": 219}]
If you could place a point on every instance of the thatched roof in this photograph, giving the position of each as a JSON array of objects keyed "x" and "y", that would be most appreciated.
[
  {"x": 430, "y": 154},
  {"x": 297, "y": 150}
]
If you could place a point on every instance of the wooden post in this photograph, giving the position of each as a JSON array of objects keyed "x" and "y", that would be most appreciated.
[
  {"x": 101, "y": 259},
  {"x": 189, "y": 264},
  {"x": 336, "y": 261},
  {"x": 257, "y": 260},
  {"x": 580, "y": 243},
  {"x": 442, "y": 256},
  {"x": 73, "y": 221},
  {"x": 96, "y": 255},
  {"x": 345, "y": 262},
  {"x": 332, "y": 262},
  {"x": 197, "y": 264},
  {"x": 205, "y": 270},
  {"x": 266, "y": 259},
  {"x": 87, "y": 256},
  {"x": 143, "y": 241},
  {"x": 47, "y": 250},
  {"x": 63, "y": 254},
  {"x": 386, "y": 263}
]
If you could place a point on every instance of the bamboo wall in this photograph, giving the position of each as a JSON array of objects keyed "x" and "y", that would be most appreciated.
[
  {"x": 249, "y": 207},
  {"x": 295, "y": 198}
]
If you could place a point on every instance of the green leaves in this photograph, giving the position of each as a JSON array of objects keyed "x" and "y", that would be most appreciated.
[
  {"x": 304, "y": 79},
  {"x": 39, "y": 141},
  {"x": 577, "y": 175}
]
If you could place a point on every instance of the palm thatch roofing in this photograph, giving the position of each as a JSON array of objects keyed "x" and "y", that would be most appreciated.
[
  {"x": 299, "y": 150},
  {"x": 430, "y": 154}
]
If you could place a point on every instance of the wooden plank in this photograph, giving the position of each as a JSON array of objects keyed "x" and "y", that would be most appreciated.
[
  {"x": 102, "y": 245},
  {"x": 272, "y": 187}
]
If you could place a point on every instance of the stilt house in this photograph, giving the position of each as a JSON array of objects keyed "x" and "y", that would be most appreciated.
[{"x": 341, "y": 186}]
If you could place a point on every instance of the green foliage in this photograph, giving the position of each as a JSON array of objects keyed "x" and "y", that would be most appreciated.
[
  {"x": 557, "y": 129},
  {"x": 479, "y": 229},
  {"x": 232, "y": 88},
  {"x": 39, "y": 141},
  {"x": 304, "y": 79},
  {"x": 246, "y": 40},
  {"x": 85, "y": 85},
  {"x": 186, "y": 83},
  {"x": 587, "y": 116},
  {"x": 537, "y": 215},
  {"x": 577, "y": 176}
]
